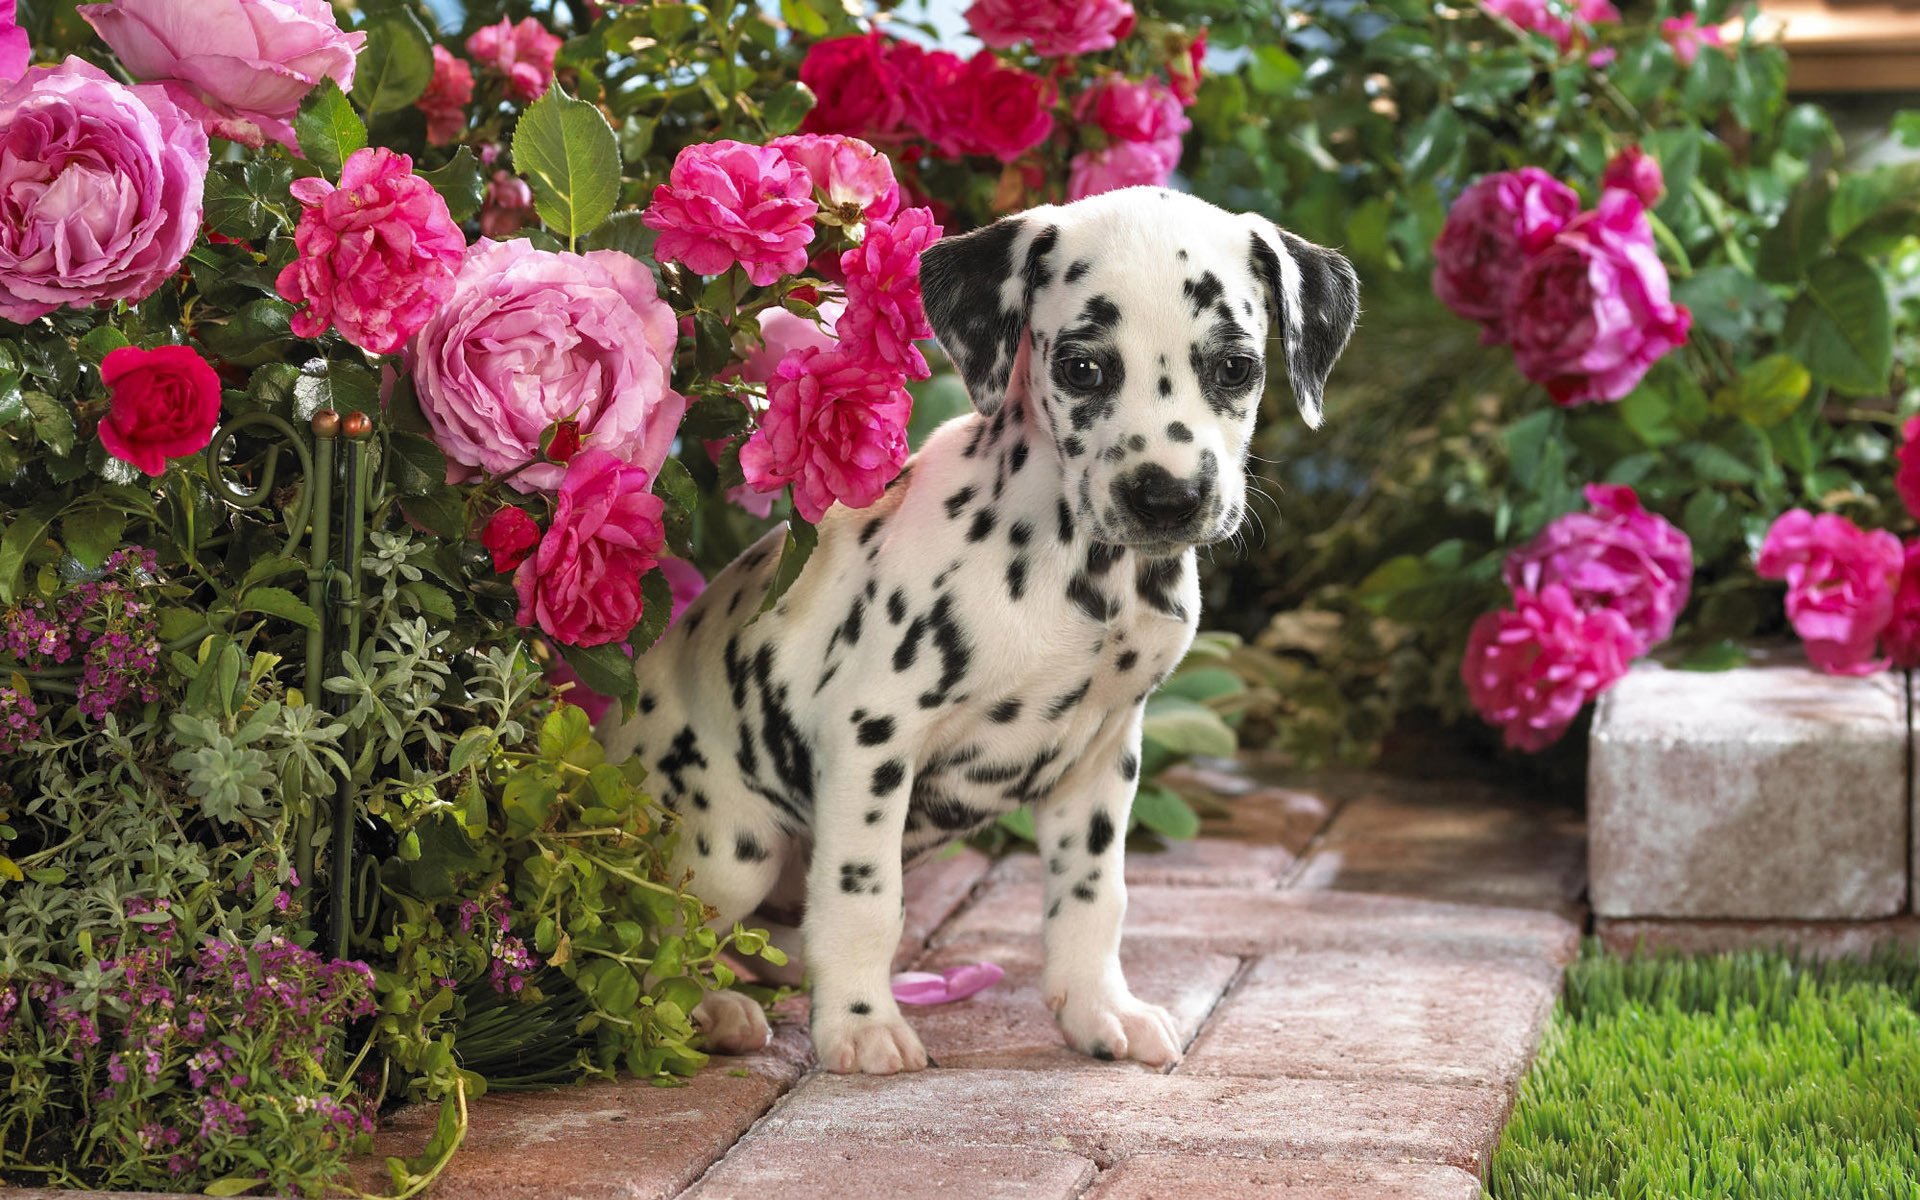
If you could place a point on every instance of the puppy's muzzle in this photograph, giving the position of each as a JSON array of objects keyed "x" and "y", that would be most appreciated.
[{"x": 1160, "y": 503}]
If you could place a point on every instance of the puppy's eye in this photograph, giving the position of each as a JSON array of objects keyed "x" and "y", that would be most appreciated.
[
  {"x": 1081, "y": 374},
  {"x": 1234, "y": 371}
]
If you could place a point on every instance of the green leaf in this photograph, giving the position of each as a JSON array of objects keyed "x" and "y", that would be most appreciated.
[
  {"x": 418, "y": 465},
  {"x": 395, "y": 65},
  {"x": 1842, "y": 328},
  {"x": 232, "y": 1185},
  {"x": 605, "y": 669},
  {"x": 1272, "y": 71},
  {"x": 52, "y": 421},
  {"x": 1201, "y": 684},
  {"x": 1184, "y": 727},
  {"x": 101, "y": 341},
  {"x": 92, "y": 534},
  {"x": 1433, "y": 145},
  {"x": 278, "y": 602},
  {"x": 328, "y": 129},
  {"x": 1727, "y": 302},
  {"x": 1722, "y": 655},
  {"x": 460, "y": 183},
  {"x": 1767, "y": 392},
  {"x": 23, "y": 535},
  {"x": 789, "y": 104},
  {"x": 240, "y": 198},
  {"x": 568, "y": 154},
  {"x": 656, "y": 597},
  {"x": 626, "y": 232},
  {"x": 1019, "y": 823},
  {"x": 1165, "y": 812},
  {"x": 799, "y": 546}
]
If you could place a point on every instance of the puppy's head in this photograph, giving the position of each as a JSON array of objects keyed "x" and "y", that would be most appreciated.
[{"x": 1133, "y": 326}]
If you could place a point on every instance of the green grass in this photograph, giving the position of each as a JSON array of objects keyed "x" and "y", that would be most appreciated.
[{"x": 1749, "y": 1075}]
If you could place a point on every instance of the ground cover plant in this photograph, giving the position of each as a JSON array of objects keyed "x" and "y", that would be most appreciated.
[{"x": 1748, "y": 1075}]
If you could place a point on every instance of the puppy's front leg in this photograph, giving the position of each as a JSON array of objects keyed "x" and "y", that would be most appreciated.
[
  {"x": 1082, "y": 835},
  {"x": 854, "y": 915}
]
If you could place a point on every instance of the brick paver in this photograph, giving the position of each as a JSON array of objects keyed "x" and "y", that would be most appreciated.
[{"x": 1361, "y": 965}]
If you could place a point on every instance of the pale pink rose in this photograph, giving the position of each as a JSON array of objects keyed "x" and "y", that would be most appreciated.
[
  {"x": 15, "y": 52},
  {"x": 856, "y": 179},
  {"x": 240, "y": 66},
  {"x": 729, "y": 202},
  {"x": 1635, "y": 171},
  {"x": 1617, "y": 556},
  {"x": 884, "y": 316},
  {"x": 835, "y": 428},
  {"x": 524, "y": 53},
  {"x": 1902, "y": 635},
  {"x": 1591, "y": 311},
  {"x": 1556, "y": 20},
  {"x": 685, "y": 582},
  {"x": 1686, "y": 35},
  {"x": 1119, "y": 165},
  {"x": 377, "y": 254},
  {"x": 1136, "y": 111},
  {"x": 530, "y": 337},
  {"x": 100, "y": 188},
  {"x": 1491, "y": 230},
  {"x": 508, "y": 206},
  {"x": 582, "y": 586},
  {"x": 1841, "y": 582},
  {"x": 1055, "y": 27},
  {"x": 446, "y": 98},
  {"x": 1530, "y": 669}
]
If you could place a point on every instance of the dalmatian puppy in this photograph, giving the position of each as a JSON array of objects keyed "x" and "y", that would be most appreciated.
[{"x": 986, "y": 634}]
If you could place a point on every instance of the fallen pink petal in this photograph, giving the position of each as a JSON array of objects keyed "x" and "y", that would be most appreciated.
[{"x": 954, "y": 983}]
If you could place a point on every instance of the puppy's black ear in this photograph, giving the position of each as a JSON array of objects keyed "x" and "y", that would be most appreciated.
[
  {"x": 978, "y": 288},
  {"x": 1314, "y": 299}
]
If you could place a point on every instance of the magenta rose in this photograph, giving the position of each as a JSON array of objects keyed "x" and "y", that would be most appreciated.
[
  {"x": 731, "y": 202},
  {"x": 508, "y": 206},
  {"x": 524, "y": 53},
  {"x": 1530, "y": 669},
  {"x": 1591, "y": 311},
  {"x": 1491, "y": 230},
  {"x": 1136, "y": 111},
  {"x": 510, "y": 536},
  {"x": 1616, "y": 556},
  {"x": 856, "y": 180},
  {"x": 1635, "y": 171},
  {"x": 684, "y": 583},
  {"x": 1902, "y": 635},
  {"x": 446, "y": 98},
  {"x": 1687, "y": 35},
  {"x": 1546, "y": 17},
  {"x": 1841, "y": 581},
  {"x": 835, "y": 428},
  {"x": 1055, "y": 27},
  {"x": 927, "y": 79},
  {"x": 377, "y": 254},
  {"x": 1183, "y": 69},
  {"x": 166, "y": 402},
  {"x": 15, "y": 52},
  {"x": 856, "y": 87},
  {"x": 1119, "y": 165},
  {"x": 582, "y": 586},
  {"x": 989, "y": 108},
  {"x": 529, "y": 337},
  {"x": 240, "y": 66},
  {"x": 884, "y": 316},
  {"x": 70, "y": 138}
]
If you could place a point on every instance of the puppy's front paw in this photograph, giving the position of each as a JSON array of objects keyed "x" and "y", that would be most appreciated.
[
  {"x": 733, "y": 1023},
  {"x": 1119, "y": 1026},
  {"x": 876, "y": 1044}
]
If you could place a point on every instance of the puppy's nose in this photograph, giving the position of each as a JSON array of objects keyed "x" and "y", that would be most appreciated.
[{"x": 1159, "y": 500}]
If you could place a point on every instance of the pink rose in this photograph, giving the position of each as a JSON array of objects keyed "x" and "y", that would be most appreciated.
[
  {"x": 1121, "y": 164},
  {"x": 857, "y": 89},
  {"x": 1840, "y": 581},
  {"x": 1906, "y": 480},
  {"x": 1144, "y": 111},
  {"x": 1543, "y": 17},
  {"x": 1491, "y": 230},
  {"x": 166, "y": 402},
  {"x": 835, "y": 428},
  {"x": 510, "y": 537},
  {"x": 1615, "y": 556},
  {"x": 508, "y": 206},
  {"x": 530, "y": 337},
  {"x": 582, "y": 586},
  {"x": 884, "y": 316},
  {"x": 70, "y": 139},
  {"x": 856, "y": 179},
  {"x": 1636, "y": 172},
  {"x": 524, "y": 53},
  {"x": 730, "y": 202},
  {"x": 240, "y": 66},
  {"x": 927, "y": 79},
  {"x": 1183, "y": 70},
  {"x": 990, "y": 109},
  {"x": 1530, "y": 669},
  {"x": 1686, "y": 35},
  {"x": 1055, "y": 27},
  {"x": 446, "y": 98},
  {"x": 1591, "y": 311},
  {"x": 782, "y": 333},
  {"x": 685, "y": 583},
  {"x": 377, "y": 254},
  {"x": 1902, "y": 635},
  {"x": 15, "y": 52}
]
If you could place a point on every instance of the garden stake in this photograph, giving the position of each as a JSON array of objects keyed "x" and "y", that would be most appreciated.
[
  {"x": 326, "y": 425},
  {"x": 358, "y": 428}
]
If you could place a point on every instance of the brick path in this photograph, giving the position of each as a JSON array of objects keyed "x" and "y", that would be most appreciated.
[{"x": 1362, "y": 966}]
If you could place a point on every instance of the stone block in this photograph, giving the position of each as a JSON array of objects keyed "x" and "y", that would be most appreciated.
[
  {"x": 778, "y": 1168},
  {"x": 1179, "y": 1177},
  {"x": 1766, "y": 792},
  {"x": 1815, "y": 939}
]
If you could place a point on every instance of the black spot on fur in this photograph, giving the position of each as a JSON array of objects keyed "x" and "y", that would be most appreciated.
[
  {"x": 1155, "y": 581},
  {"x": 1017, "y": 577},
  {"x": 1090, "y": 599},
  {"x": 876, "y": 731},
  {"x": 1020, "y": 532},
  {"x": 983, "y": 522},
  {"x": 647, "y": 702},
  {"x": 872, "y": 528},
  {"x": 1101, "y": 556},
  {"x": 1126, "y": 660},
  {"x": 1016, "y": 458},
  {"x": 701, "y": 802},
  {"x": 1166, "y": 386},
  {"x": 1178, "y": 431},
  {"x": 956, "y": 653},
  {"x": 888, "y": 776},
  {"x": 1137, "y": 443},
  {"x": 747, "y": 848},
  {"x": 1078, "y": 271},
  {"x": 1065, "y": 517},
  {"x": 683, "y": 755},
  {"x": 897, "y": 606},
  {"x": 1084, "y": 894},
  {"x": 1203, "y": 292},
  {"x": 873, "y": 816},
  {"x": 958, "y": 501},
  {"x": 701, "y": 844},
  {"x": 1099, "y": 832},
  {"x": 857, "y": 878},
  {"x": 860, "y": 1008},
  {"x": 1072, "y": 446},
  {"x": 1003, "y": 712},
  {"x": 1065, "y": 704}
]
